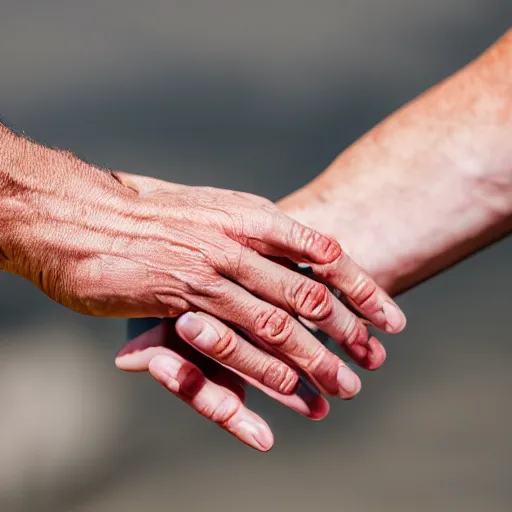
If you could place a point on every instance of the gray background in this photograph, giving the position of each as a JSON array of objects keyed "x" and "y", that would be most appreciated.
[{"x": 257, "y": 96}]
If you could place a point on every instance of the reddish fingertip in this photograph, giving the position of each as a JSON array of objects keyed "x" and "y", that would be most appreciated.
[
  {"x": 370, "y": 355},
  {"x": 319, "y": 409}
]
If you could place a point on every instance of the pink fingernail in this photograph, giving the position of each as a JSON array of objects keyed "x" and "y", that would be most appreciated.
[
  {"x": 198, "y": 331},
  {"x": 349, "y": 382},
  {"x": 395, "y": 319},
  {"x": 254, "y": 432}
]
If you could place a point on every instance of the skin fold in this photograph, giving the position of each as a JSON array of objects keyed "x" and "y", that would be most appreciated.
[{"x": 424, "y": 189}]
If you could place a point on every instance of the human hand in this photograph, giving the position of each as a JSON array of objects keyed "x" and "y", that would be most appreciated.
[
  {"x": 211, "y": 389},
  {"x": 113, "y": 244}
]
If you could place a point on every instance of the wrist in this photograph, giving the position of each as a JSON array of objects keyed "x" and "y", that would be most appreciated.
[
  {"x": 341, "y": 213},
  {"x": 428, "y": 186},
  {"x": 402, "y": 219}
]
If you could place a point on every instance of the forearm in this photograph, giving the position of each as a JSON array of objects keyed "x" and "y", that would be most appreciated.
[
  {"x": 39, "y": 188},
  {"x": 428, "y": 186}
]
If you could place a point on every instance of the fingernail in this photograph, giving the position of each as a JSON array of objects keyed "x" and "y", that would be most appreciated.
[
  {"x": 349, "y": 382},
  {"x": 198, "y": 331},
  {"x": 395, "y": 319},
  {"x": 256, "y": 434}
]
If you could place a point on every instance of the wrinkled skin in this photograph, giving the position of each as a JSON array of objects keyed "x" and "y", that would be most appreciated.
[
  {"x": 121, "y": 245},
  {"x": 216, "y": 392},
  {"x": 421, "y": 191}
]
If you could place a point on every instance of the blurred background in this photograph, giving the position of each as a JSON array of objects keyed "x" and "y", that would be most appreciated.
[{"x": 258, "y": 96}]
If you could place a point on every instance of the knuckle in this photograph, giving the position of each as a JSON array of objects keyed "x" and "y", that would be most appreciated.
[
  {"x": 230, "y": 221},
  {"x": 304, "y": 235},
  {"x": 316, "y": 359},
  {"x": 233, "y": 260},
  {"x": 171, "y": 304},
  {"x": 355, "y": 332},
  {"x": 274, "y": 326},
  {"x": 279, "y": 377},
  {"x": 365, "y": 293},
  {"x": 322, "y": 247},
  {"x": 222, "y": 411},
  {"x": 225, "y": 347},
  {"x": 311, "y": 300},
  {"x": 209, "y": 285}
]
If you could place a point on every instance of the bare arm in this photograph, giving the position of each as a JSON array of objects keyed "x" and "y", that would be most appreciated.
[
  {"x": 424, "y": 189},
  {"x": 113, "y": 244},
  {"x": 429, "y": 185}
]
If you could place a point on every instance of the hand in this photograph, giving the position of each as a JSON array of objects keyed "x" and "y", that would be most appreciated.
[
  {"x": 112, "y": 244},
  {"x": 428, "y": 186},
  {"x": 211, "y": 389}
]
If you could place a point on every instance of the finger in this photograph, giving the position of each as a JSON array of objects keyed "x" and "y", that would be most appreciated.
[
  {"x": 155, "y": 336},
  {"x": 214, "y": 339},
  {"x": 162, "y": 339},
  {"x": 362, "y": 292},
  {"x": 212, "y": 401},
  {"x": 312, "y": 301},
  {"x": 137, "y": 353},
  {"x": 283, "y": 335},
  {"x": 229, "y": 380},
  {"x": 282, "y": 236},
  {"x": 307, "y": 399}
]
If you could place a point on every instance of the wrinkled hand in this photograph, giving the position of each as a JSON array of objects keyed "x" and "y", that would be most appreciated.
[
  {"x": 211, "y": 389},
  {"x": 140, "y": 247}
]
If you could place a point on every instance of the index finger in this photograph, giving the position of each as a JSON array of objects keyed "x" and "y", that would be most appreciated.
[{"x": 282, "y": 236}]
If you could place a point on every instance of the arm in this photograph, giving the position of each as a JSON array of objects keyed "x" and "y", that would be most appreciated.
[
  {"x": 424, "y": 189},
  {"x": 428, "y": 186},
  {"x": 107, "y": 243}
]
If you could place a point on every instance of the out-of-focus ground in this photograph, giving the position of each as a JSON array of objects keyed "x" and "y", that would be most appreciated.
[{"x": 258, "y": 96}]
